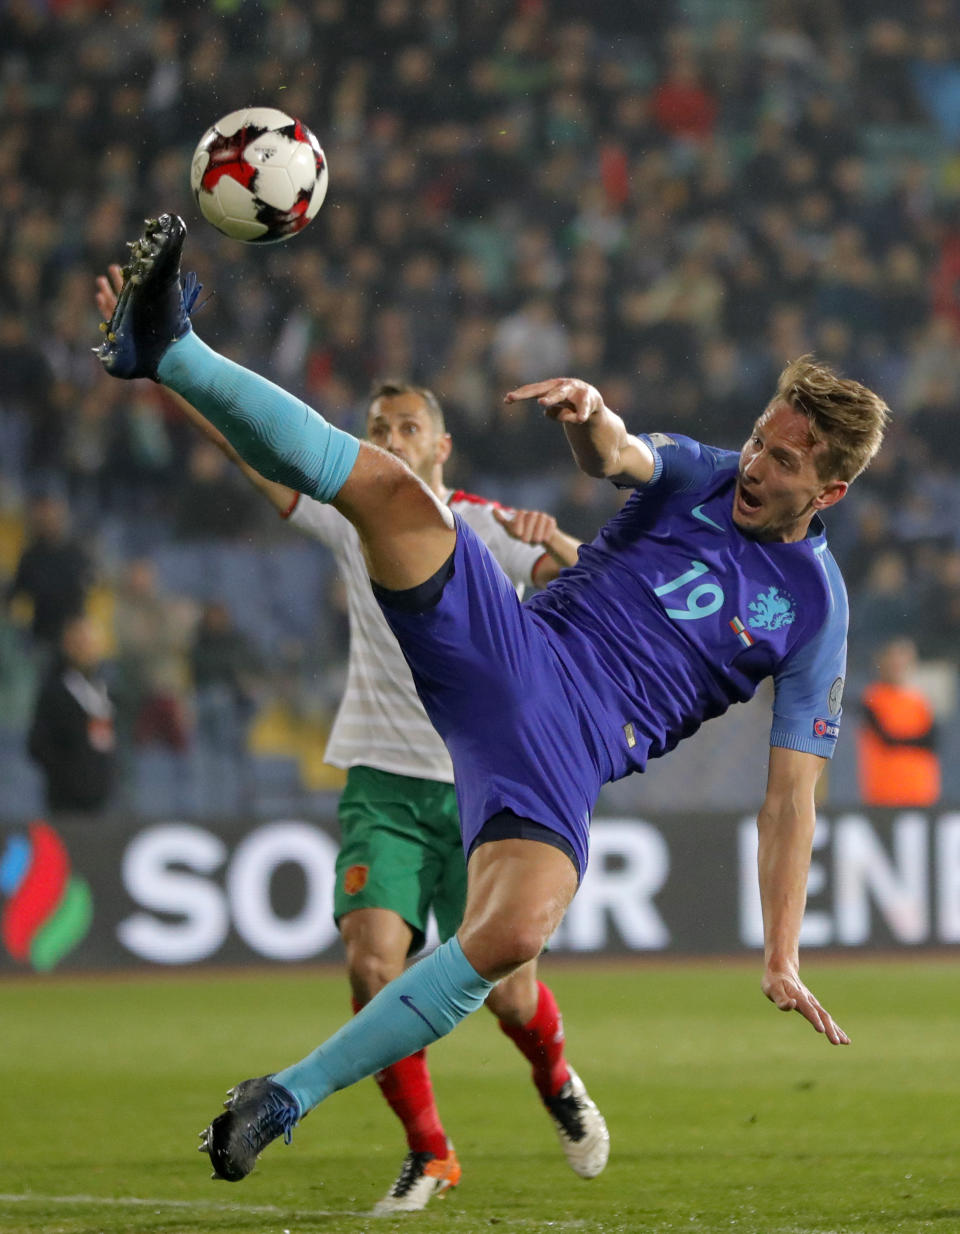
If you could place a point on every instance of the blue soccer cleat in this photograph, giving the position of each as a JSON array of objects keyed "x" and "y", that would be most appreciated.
[
  {"x": 153, "y": 308},
  {"x": 257, "y": 1112}
]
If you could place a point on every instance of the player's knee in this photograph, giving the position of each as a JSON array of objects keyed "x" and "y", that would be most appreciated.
[
  {"x": 369, "y": 971},
  {"x": 528, "y": 941},
  {"x": 496, "y": 952}
]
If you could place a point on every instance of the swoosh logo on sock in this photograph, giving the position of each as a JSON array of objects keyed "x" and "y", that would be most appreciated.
[
  {"x": 697, "y": 512},
  {"x": 408, "y": 1002}
]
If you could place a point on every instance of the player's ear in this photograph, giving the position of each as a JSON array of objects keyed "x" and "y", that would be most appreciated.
[
  {"x": 830, "y": 494},
  {"x": 444, "y": 446}
]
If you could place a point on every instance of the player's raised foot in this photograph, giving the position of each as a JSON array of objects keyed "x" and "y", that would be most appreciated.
[
  {"x": 421, "y": 1177},
  {"x": 580, "y": 1127},
  {"x": 153, "y": 308},
  {"x": 257, "y": 1112}
]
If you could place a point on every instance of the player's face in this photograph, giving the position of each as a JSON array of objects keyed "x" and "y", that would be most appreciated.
[
  {"x": 778, "y": 488},
  {"x": 402, "y": 424}
]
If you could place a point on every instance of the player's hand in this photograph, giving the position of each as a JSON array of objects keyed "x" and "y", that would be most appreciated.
[
  {"x": 108, "y": 289},
  {"x": 565, "y": 399},
  {"x": 530, "y": 526},
  {"x": 785, "y": 989}
]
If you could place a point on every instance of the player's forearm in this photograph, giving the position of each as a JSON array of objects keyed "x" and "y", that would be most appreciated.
[
  {"x": 562, "y": 548},
  {"x": 203, "y": 425},
  {"x": 598, "y": 443},
  {"x": 536, "y": 528},
  {"x": 279, "y": 495},
  {"x": 603, "y": 448},
  {"x": 785, "y": 832}
]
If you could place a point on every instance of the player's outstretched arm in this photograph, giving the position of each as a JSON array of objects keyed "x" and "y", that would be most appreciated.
[
  {"x": 598, "y": 437},
  {"x": 537, "y": 527},
  {"x": 785, "y": 825},
  {"x": 279, "y": 495}
]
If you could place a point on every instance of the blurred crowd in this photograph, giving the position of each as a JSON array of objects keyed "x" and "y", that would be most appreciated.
[{"x": 670, "y": 198}]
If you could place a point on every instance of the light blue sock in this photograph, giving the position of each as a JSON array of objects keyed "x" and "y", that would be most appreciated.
[
  {"x": 414, "y": 1010},
  {"x": 277, "y": 434}
]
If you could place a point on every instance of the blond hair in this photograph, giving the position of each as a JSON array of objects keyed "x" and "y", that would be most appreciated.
[{"x": 846, "y": 417}]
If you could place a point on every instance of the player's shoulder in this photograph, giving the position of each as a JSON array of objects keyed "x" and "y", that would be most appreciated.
[
  {"x": 833, "y": 582},
  {"x": 683, "y": 442},
  {"x": 711, "y": 458},
  {"x": 819, "y": 552},
  {"x": 475, "y": 510},
  {"x": 684, "y": 464},
  {"x": 460, "y": 499},
  {"x": 721, "y": 458}
]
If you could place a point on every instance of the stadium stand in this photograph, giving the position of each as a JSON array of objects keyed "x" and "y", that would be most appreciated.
[{"x": 670, "y": 199}]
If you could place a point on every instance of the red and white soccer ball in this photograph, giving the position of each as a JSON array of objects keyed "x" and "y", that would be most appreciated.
[{"x": 259, "y": 175}]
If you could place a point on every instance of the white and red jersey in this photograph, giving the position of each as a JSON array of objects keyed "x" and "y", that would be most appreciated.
[{"x": 380, "y": 721}]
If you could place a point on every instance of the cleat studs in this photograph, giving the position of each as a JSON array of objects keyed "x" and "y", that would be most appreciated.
[
  {"x": 103, "y": 327},
  {"x": 111, "y": 336}
]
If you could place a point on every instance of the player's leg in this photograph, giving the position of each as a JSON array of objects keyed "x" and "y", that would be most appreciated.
[
  {"x": 529, "y": 884},
  {"x": 519, "y": 886},
  {"x": 515, "y": 1002},
  {"x": 517, "y": 893},
  {"x": 526, "y": 1008},
  {"x": 377, "y": 941},
  {"x": 408, "y": 534},
  {"x": 528, "y": 1014},
  {"x": 385, "y": 877}
]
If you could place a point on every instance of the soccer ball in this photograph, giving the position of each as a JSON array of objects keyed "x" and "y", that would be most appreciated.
[{"x": 259, "y": 175}]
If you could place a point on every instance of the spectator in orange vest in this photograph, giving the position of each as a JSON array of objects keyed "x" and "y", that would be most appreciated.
[{"x": 898, "y": 762}]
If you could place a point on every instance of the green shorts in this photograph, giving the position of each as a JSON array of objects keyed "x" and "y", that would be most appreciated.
[{"x": 401, "y": 849}]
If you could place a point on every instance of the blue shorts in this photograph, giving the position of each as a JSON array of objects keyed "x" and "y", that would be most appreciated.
[{"x": 493, "y": 684}]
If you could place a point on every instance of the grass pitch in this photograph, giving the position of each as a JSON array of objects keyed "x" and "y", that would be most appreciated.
[{"x": 725, "y": 1115}]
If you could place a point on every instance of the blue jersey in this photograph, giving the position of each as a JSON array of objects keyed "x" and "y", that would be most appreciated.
[
  {"x": 672, "y": 614},
  {"x": 669, "y": 617}
]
